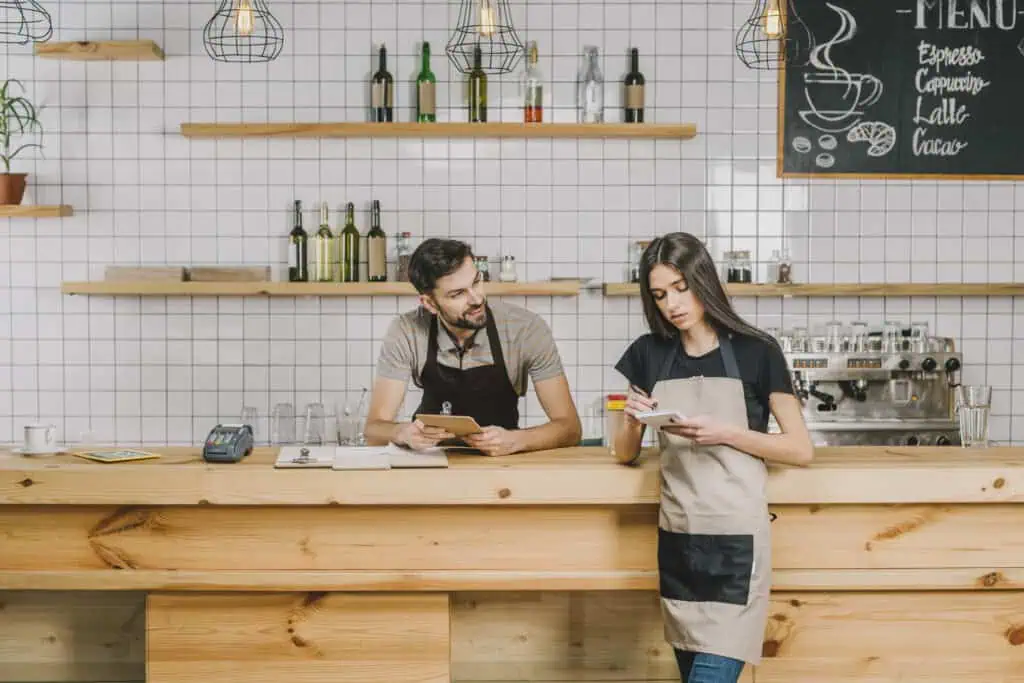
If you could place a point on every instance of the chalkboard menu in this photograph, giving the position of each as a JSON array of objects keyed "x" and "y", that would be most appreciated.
[{"x": 918, "y": 88}]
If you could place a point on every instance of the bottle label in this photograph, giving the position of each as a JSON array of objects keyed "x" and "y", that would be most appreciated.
[
  {"x": 426, "y": 98},
  {"x": 377, "y": 95},
  {"x": 634, "y": 97},
  {"x": 293, "y": 254},
  {"x": 376, "y": 262}
]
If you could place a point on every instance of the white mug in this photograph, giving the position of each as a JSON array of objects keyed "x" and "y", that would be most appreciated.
[{"x": 40, "y": 438}]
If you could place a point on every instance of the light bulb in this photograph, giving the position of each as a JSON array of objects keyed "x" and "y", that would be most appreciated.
[
  {"x": 487, "y": 24},
  {"x": 243, "y": 18},
  {"x": 772, "y": 20}
]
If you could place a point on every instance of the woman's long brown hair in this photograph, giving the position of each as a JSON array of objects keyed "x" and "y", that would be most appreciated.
[{"x": 686, "y": 253}]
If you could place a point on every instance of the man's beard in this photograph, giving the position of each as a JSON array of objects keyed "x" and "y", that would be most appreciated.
[{"x": 463, "y": 322}]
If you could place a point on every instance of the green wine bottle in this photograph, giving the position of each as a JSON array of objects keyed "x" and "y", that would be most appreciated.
[
  {"x": 477, "y": 90},
  {"x": 376, "y": 246},
  {"x": 298, "y": 265},
  {"x": 426, "y": 90},
  {"x": 348, "y": 247}
]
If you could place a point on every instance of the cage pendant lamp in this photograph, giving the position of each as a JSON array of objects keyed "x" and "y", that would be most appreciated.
[
  {"x": 243, "y": 31},
  {"x": 773, "y": 36},
  {"x": 487, "y": 24},
  {"x": 23, "y": 22}
]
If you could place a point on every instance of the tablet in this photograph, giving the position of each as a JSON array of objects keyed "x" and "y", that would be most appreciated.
[
  {"x": 459, "y": 425},
  {"x": 660, "y": 418}
]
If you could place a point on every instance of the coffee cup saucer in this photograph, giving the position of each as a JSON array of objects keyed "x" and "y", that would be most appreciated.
[{"x": 22, "y": 450}]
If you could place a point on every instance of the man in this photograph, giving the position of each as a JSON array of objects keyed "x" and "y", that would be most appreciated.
[{"x": 470, "y": 357}]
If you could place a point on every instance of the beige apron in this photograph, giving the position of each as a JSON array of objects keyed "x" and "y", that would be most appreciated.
[{"x": 714, "y": 541}]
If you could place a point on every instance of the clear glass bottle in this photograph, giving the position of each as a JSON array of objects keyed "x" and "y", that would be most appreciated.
[
  {"x": 636, "y": 252},
  {"x": 533, "y": 88},
  {"x": 590, "y": 88},
  {"x": 484, "y": 267},
  {"x": 403, "y": 252}
]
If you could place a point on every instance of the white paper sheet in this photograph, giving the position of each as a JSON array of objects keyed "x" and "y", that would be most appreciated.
[{"x": 407, "y": 458}]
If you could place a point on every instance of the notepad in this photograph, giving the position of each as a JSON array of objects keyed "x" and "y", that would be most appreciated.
[{"x": 116, "y": 456}]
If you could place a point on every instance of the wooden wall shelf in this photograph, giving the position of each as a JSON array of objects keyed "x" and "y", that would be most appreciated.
[
  {"x": 678, "y": 131},
  {"x": 28, "y": 211},
  {"x": 851, "y": 289},
  {"x": 89, "y": 50},
  {"x": 157, "y": 288}
]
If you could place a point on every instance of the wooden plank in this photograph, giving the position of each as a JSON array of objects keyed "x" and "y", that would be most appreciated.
[
  {"x": 29, "y": 211},
  {"x": 678, "y": 131},
  {"x": 237, "y": 288},
  {"x": 555, "y": 539},
  {"x": 88, "y": 50},
  {"x": 559, "y": 637},
  {"x": 582, "y": 476},
  {"x": 825, "y": 289},
  {"x": 883, "y": 637},
  {"x": 71, "y": 636},
  {"x": 229, "y": 273},
  {"x": 434, "y": 580},
  {"x": 301, "y": 637}
]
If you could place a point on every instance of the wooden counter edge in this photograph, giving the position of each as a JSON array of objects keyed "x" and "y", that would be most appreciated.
[
  {"x": 923, "y": 579},
  {"x": 568, "y": 477}
]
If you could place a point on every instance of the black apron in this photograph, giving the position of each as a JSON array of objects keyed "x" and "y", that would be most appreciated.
[{"x": 484, "y": 393}]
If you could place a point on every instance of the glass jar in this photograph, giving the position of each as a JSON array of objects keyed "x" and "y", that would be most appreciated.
[
  {"x": 743, "y": 264},
  {"x": 636, "y": 252},
  {"x": 403, "y": 252},
  {"x": 784, "y": 268},
  {"x": 834, "y": 336},
  {"x": 508, "y": 269},
  {"x": 484, "y": 267}
]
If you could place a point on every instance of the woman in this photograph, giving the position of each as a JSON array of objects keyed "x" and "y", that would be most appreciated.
[{"x": 724, "y": 377}]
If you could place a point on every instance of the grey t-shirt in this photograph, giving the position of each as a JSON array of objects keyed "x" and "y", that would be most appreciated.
[{"x": 526, "y": 343}]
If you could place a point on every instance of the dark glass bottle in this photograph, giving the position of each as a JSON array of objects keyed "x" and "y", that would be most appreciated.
[
  {"x": 382, "y": 91},
  {"x": 348, "y": 247},
  {"x": 634, "y": 84},
  {"x": 376, "y": 248},
  {"x": 477, "y": 89},
  {"x": 298, "y": 265},
  {"x": 426, "y": 90}
]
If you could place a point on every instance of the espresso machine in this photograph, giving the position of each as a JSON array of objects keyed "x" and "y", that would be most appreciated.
[{"x": 859, "y": 387}]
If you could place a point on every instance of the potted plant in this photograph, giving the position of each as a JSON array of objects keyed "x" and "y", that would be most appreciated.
[{"x": 18, "y": 116}]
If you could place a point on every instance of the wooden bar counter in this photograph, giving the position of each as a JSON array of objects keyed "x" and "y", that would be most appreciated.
[{"x": 891, "y": 564}]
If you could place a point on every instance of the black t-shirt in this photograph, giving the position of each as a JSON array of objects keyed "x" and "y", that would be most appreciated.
[{"x": 761, "y": 364}]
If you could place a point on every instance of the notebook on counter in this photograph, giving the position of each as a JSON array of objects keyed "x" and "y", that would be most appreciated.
[{"x": 359, "y": 457}]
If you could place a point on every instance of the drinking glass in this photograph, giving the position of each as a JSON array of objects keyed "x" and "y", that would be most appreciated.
[
  {"x": 282, "y": 424},
  {"x": 250, "y": 416},
  {"x": 315, "y": 432},
  {"x": 919, "y": 337},
  {"x": 973, "y": 403}
]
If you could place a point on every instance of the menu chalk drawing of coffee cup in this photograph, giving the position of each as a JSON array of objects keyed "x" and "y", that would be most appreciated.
[{"x": 837, "y": 99}]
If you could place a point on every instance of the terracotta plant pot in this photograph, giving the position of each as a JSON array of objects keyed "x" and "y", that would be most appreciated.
[{"x": 12, "y": 187}]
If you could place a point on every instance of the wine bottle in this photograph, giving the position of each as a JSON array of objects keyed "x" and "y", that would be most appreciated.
[
  {"x": 477, "y": 90},
  {"x": 348, "y": 247},
  {"x": 323, "y": 249},
  {"x": 634, "y": 84},
  {"x": 376, "y": 248},
  {"x": 533, "y": 103},
  {"x": 590, "y": 89},
  {"x": 426, "y": 90},
  {"x": 382, "y": 91},
  {"x": 298, "y": 266}
]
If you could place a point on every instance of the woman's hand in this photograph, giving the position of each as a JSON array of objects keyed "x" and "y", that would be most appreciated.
[
  {"x": 703, "y": 430},
  {"x": 637, "y": 401}
]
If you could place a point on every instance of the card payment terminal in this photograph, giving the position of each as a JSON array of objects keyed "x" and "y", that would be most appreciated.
[{"x": 228, "y": 443}]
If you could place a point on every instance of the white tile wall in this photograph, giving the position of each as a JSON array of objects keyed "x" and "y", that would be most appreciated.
[{"x": 164, "y": 370}]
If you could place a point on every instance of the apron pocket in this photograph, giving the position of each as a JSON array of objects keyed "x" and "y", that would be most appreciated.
[{"x": 705, "y": 567}]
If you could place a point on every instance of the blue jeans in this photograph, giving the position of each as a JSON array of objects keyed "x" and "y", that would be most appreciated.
[{"x": 700, "y": 667}]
